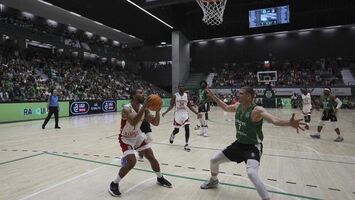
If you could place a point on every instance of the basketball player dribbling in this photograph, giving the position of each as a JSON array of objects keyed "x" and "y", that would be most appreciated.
[
  {"x": 181, "y": 116},
  {"x": 248, "y": 146},
  {"x": 132, "y": 139}
]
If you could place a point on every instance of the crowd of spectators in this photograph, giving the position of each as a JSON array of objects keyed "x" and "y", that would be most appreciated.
[
  {"x": 319, "y": 72},
  {"x": 74, "y": 79}
]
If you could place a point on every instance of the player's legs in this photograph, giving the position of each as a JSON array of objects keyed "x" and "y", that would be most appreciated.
[
  {"x": 149, "y": 155},
  {"x": 172, "y": 136},
  {"x": 50, "y": 113},
  {"x": 56, "y": 117},
  {"x": 215, "y": 161},
  {"x": 187, "y": 137},
  {"x": 130, "y": 162},
  {"x": 334, "y": 122},
  {"x": 252, "y": 171},
  {"x": 325, "y": 117}
]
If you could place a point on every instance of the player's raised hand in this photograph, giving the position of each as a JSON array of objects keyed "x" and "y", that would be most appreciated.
[
  {"x": 296, "y": 123},
  {"x": 146, "y": 102}
]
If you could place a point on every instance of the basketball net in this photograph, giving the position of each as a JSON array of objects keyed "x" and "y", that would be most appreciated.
[{"x": 212, "y": 11}]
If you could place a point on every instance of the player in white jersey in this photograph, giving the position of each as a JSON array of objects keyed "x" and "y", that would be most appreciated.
[
  {"x": 306, "y": 106},
  {"x": 181, "y": 116},
  {"x": 132, "y": 139}
]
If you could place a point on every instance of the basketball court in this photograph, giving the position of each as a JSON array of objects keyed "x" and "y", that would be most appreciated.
[
  {"x": 164, "y": 43},
  {"x": 80, "y": 160}
]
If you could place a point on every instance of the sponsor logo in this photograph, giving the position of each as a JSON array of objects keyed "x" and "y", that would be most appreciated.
[
  {"x": 79, "y": 108},
  {"x": 109, "y": 106},
  {"x": 34, "y": 111}
]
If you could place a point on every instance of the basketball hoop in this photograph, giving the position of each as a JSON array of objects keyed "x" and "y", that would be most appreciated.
[{"x": 212, "y": 11}]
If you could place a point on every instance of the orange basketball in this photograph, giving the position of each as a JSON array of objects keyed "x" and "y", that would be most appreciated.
[{"x": 154, "y": 102}]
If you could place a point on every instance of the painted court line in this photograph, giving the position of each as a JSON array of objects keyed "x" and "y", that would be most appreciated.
[
  {"x": 185, "y": 173},
  {"x": 188, "y": 178},
  {"x": 10, "y": 161},
  {"x": 63, "y": 182}
]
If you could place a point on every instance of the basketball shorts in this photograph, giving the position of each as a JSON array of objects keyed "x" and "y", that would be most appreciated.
[
  {"x": 130, "y": 145},
  {"x": 203, "y": 107},
  {"x": 329, "y": 115},
  {"x": 307, "y": 110},
  {"x": 181, "y": 119},
  {"x": 239, "y": 152}
]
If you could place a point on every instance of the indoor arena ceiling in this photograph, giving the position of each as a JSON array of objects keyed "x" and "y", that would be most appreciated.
[{"x": 186, "y": 15}]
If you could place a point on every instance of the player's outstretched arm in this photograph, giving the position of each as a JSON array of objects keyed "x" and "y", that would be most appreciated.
[
  {"x": 295, "y": 123},
  {"x": 220, "y": 103},
  {"x": 199, "y": 115}
]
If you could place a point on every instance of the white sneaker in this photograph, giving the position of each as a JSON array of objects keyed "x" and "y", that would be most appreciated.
[
  {"x": 187, "y": 148},
  {"x": 210, "y": 184}
]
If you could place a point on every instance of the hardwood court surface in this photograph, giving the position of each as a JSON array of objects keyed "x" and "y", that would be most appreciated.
[{"x": 80, "y": 160}]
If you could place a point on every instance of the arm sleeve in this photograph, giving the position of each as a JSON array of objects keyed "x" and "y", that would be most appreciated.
[{"x": 339, "y": 103}]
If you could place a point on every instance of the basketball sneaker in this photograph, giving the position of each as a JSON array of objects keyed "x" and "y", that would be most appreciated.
[
  {"x": 171, "y": 139},
  {"x": 210, "y": 184},
  {"x": 306, "y": 127},
  {"x": 315, "y": 136},
  {"x": 187, "y": 148},
  {"x": 163, "y": 182},
  {"x": 339, "y": 139},
  {"x": 114, "y": 189}
]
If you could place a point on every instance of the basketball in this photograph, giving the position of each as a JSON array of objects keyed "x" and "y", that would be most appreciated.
[{"x": 154, "y": 103}]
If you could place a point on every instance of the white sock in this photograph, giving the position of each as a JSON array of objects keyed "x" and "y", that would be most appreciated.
[
  {"x": 118, "y": 179},
  {"x": 159, "y": 174},
  {"x": 214, "y": 178}
]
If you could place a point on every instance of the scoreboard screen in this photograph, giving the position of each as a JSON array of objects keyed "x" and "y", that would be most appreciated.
[{"x": 269, "y": 16}]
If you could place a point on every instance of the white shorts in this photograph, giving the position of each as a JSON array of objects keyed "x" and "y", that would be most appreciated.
[
  {"x": 307, "y": 110},
  {"x": 181, "y": 119},
  {"x": 131, "y": 145}
]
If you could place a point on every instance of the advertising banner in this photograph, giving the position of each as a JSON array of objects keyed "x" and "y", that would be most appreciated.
[
  {"x": 85, "y": 107},
  {"x": 10, "y": 112}
]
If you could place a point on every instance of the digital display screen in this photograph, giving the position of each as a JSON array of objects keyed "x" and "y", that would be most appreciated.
[{"x": 269, "y": 16}]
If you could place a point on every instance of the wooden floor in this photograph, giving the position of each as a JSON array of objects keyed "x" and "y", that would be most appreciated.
[{"x": 80, "y": 160}]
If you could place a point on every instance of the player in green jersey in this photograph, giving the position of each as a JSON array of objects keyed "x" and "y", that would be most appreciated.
[
  {"x": 331, "y": 104},
  {"x": 203, "y": 107},
  {"x": 249, "y": 136}
]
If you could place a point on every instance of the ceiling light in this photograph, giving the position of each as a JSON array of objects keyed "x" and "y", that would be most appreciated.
[
  {"x": 150, "y": 14},
  {"x": 44, "y": 2},
  {"x": 99, "y": 23},
  {"x": 76, "y": 14}
]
